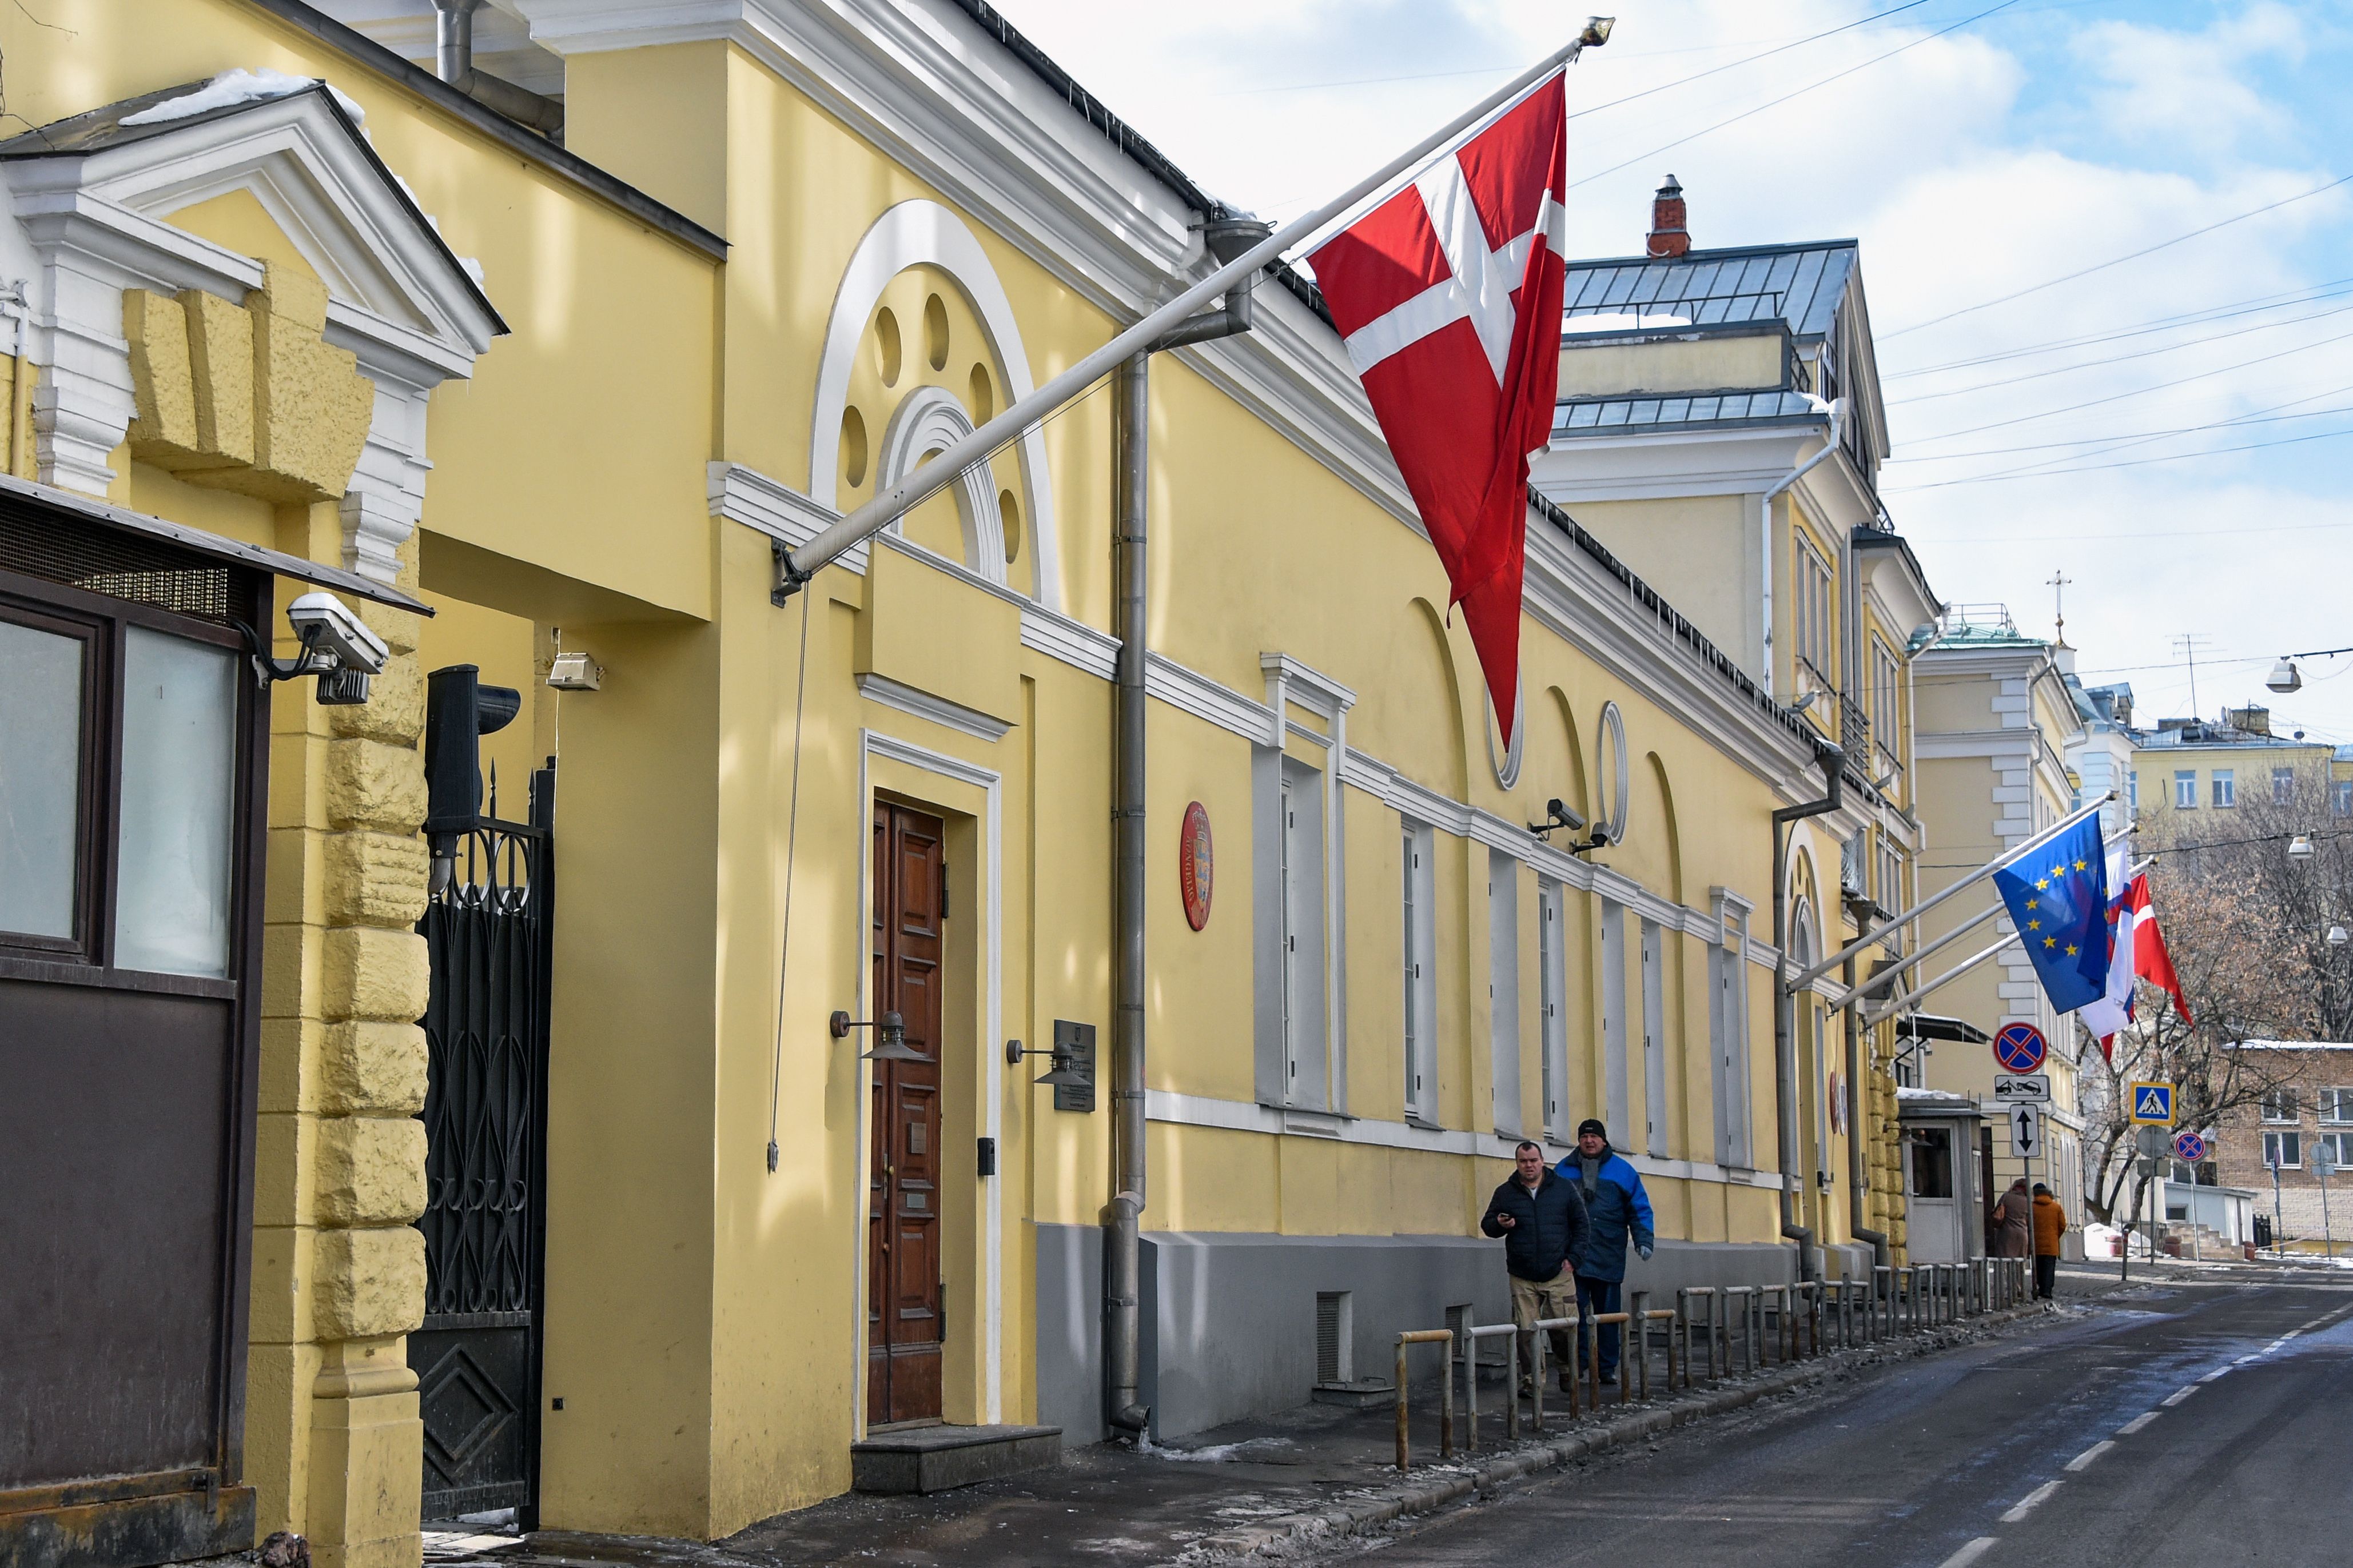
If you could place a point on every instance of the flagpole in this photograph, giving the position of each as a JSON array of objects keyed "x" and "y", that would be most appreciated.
[
  {"x": 1881, "y": 981},
  {"x": 1883, "y": 1014},
  {"x": 797, "y": 566},
  {"x": 1922, "y": 907}
]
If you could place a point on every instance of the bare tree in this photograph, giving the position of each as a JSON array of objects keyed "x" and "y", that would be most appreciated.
[{"x": 2237, "y": 915}]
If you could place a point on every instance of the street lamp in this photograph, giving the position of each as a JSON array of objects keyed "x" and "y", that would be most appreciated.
[
  {"x": 2299, "y": 848},
  {"x": 2286, "y": 677},
  {"x": 2337, "y": 936}
]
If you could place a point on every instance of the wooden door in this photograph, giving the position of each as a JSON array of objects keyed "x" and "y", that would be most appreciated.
[{"x": 904, "y": 1317}]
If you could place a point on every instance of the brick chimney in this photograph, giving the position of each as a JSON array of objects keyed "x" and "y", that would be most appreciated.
[{"x": 1668, "y": 236}]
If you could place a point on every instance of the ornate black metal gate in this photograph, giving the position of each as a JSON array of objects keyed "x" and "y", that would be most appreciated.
[{"x": 478, "y": 1356}]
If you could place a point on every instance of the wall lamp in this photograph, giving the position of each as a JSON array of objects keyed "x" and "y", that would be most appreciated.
[
  {"x": 890, "y": 1037},
  {"x": 337, "y": 647},
  {"x": 1064, "y": 1072}
]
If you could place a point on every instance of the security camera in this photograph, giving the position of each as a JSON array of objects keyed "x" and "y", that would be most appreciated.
[{"x": 326, "y": 625}]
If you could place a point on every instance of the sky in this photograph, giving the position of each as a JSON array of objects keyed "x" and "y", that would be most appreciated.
[{"x": 2172, "y": 433}]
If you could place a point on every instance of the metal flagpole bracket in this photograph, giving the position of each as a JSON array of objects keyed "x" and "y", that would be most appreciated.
[
  {"x": 798, "y": 564},
  {"x": 790, "y": 579}
]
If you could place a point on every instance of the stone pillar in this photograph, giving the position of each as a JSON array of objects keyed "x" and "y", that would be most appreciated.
[{"x": 333, "y": 1437}]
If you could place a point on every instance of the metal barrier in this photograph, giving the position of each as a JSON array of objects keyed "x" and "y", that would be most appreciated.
[
  {"x": 1542, "y": 1331},
  {"x": 1883, "y": 1299},
  {"x": 1445, "y": 1384},
  {"x": 1625, "y": 1388},
  {"x": 1639, "y": 1318},
  {"x": 1472, "y": 1335},
  {"x": 1683, "y": 1316},
  {"x": 1746, "y": 1297}
]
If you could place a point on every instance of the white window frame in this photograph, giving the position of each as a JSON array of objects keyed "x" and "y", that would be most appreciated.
[
  {"x": 2282, "y": 1106},
  {"x": 2132, "y": 789},
  {"x": 1551, "y": 1004},
  {"x": 1419, "y": 884},
  {"x": 1613, "y": 1016},
  {"x": 2341, "y": 1150},
  {"x": 1504, "y": 992},
  {"x": 2226, "y": 788},
  {"x": 2282, "y": 786},
  {"x": 2185, "y": 789},
  {"x": 1814, "y": 581},
  {"x": 2286, "y": 1142},
  {"x": 1727, "y": 1025},
  {"x": 2336, "y": 1104},
  {"x": 2340, "y": 798},
  {"x": 1300, "y": 892},
  {"x": 1654, "y": 1040}
]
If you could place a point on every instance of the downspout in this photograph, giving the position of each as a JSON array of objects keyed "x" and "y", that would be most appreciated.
[
  {"x": 453, "y": 62},
  {"x": 1225, "y": 237},
  {"x": 1785, "y": 1059}
]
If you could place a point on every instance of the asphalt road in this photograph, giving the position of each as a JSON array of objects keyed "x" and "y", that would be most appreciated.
[{"x": 2181, "y": 1423}]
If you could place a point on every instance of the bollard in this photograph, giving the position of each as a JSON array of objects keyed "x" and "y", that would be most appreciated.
[
  {"x": 1742, "y": 1295},
  {"x": 1472, "y": 1335},
  {"x": 1544, "y": 1327},
  {"x": 1714, "y": 1333},
  {"x": 1446, "y": 1386},
  {"x": 1637, "y": 1335},
  {"x": 1667, "y": 1316},
  {"x": 1815, "y": 1302},
  {"x": 1625, "y": 1387},
  {"x": 1882, "y": 1295}
]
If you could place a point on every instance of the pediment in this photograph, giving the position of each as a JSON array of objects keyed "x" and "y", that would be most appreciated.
[{"x": 108, "y": 182}]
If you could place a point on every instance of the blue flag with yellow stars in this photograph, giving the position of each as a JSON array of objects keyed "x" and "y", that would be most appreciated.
[{"x": 2058, "y": 896}]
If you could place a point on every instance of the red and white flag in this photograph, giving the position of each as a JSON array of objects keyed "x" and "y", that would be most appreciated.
[
  {"x": 2138, "y": 953},
  {"x": 1448, "y": 296}
]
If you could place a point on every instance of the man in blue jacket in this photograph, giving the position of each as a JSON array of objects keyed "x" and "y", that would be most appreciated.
[{"x": 1616, "y": 1208}]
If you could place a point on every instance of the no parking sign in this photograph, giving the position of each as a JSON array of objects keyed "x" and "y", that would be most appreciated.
[{"x": 2019, "y": 1047}]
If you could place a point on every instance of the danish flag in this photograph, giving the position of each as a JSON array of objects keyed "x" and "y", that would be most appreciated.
[{"x": 1449, "y": 295}]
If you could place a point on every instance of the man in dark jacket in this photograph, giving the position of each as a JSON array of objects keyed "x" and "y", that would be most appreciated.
[
  {"x": 1617, "y": 1209},
  {"x": 1542, "y": 1221}
]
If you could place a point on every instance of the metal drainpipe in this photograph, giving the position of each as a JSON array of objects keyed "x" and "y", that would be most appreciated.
[
  {"x": 1764, "y": 526},
  {"x": 1785, "y": 1060},
  {"x": 1131, "y": 568},
  {"x": 453, "y": 62}
]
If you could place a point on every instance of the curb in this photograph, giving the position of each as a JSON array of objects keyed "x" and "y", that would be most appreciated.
[{"x": 1452, "y": 1482}]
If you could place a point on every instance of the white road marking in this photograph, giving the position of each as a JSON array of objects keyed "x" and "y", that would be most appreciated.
[
  {"x": 2026, "y": 1503},
  {"x": 2084, "y": 1460},
  {"x": 2177, "y": 1396},
  {"x": 2138, "y": 1422},
  {"x": 2210, "y": 1376},
  {"x": 1969, "y": 1553}
]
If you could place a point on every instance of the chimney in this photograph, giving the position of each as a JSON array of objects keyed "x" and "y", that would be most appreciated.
[{"x": 1668, "y": 236}]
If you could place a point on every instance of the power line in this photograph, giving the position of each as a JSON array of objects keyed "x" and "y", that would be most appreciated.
[
  {"x": 2334, "y": 289},
  {"x": 2140, "y": 390},
  {"x": 1800, "y": 92},
  {"x": 2120, "y": 260},
  {"x": 2251, "y": 415},
  {"x": 2046, "y": 473},
  {"x": 2122, "y": 441},
  {"x": 2119, "y": 359}
]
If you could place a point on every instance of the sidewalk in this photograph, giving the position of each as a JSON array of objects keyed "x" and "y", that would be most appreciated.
[{"x": 1247, "y": 1488}]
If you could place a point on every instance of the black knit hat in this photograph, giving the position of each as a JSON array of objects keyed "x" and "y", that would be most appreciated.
[{"x": 1593, "y": 1126}]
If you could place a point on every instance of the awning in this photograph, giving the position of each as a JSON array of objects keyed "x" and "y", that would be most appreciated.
[
  {"x": 30, "y": 502},
  {"x": 1935, "y": 1026}
]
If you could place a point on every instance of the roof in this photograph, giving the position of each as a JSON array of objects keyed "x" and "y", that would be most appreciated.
[
  {"x": 1798, "y": 285},
  {"x": 1608, "y": 416},
  {"x": 2291, "y": 1045}
]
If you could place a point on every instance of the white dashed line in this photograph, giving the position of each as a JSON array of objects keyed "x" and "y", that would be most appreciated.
[
  {"x": 2179, "y": 1395},
  {"x": 1969, "y": 1553},
  {"x": 2210, "y": 1376},
  {"x": 2138, "y": 1422},
  {"x": 2026, "y": 1504},
  {"x": 2084, "y": 1460}
]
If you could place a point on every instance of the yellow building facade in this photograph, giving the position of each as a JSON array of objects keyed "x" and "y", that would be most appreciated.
[{"x": 562, "y": 404}]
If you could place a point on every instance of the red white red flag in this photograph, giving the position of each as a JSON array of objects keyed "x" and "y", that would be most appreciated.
[
  {"x": 1448, "y": 296},
  {"x": 2138, "y": 953}
]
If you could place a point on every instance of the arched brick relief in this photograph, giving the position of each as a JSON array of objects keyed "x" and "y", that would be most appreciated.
[{"x": 923, "y": 233}]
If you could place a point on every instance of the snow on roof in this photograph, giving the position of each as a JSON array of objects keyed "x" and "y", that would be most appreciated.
[
  {"x": 1620, "y": 322},
  {"x": 2291, "y": 1045},
  {"x": 239, "y": 85}
]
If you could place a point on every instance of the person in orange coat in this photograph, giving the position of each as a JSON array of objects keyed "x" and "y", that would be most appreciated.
[{"x": 2050, "y": 1224}]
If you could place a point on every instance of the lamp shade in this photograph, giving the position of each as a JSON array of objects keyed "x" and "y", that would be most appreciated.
[{"x": 2286, "y": 677}]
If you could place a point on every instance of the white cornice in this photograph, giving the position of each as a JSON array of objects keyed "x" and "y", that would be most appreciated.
[{"x": 925, "y": 705}]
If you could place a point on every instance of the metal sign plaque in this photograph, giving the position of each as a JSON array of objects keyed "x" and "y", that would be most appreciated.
[
  {"x": 2151, "y": 1103},
  {"x": 2026, "y": 1130},
  {"x": 2021, "y": 1088},
  {"x": 2189, "y": 1147},
  {"x": 1197, "y": 863},
  {"x": 2019, "y": 1047}
]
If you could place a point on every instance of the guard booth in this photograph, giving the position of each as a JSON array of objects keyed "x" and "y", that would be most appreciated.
[
  {"x": 1943, "y": 1178},
  {"x": 134, "y": 728}
]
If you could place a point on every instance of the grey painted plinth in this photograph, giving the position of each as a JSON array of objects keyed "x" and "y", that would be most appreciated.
[{"x": 937, "y": 1459}]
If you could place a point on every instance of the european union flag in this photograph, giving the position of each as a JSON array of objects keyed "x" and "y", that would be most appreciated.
[{"x": 2058, "y": 897}]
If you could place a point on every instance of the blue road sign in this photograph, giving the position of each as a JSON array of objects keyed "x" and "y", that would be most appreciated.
[
  {"x": 2189, "y": 1147},
  {"x": 2152, "y": 1104},
  {"x": 2019, "y": 1047}
]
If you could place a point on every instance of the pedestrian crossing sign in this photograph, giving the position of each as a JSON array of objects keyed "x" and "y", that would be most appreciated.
[{"x": 2152, "y": 1104}]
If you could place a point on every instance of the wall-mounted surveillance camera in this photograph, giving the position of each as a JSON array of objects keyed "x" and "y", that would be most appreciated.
[{"x": 337, "y": 647}]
